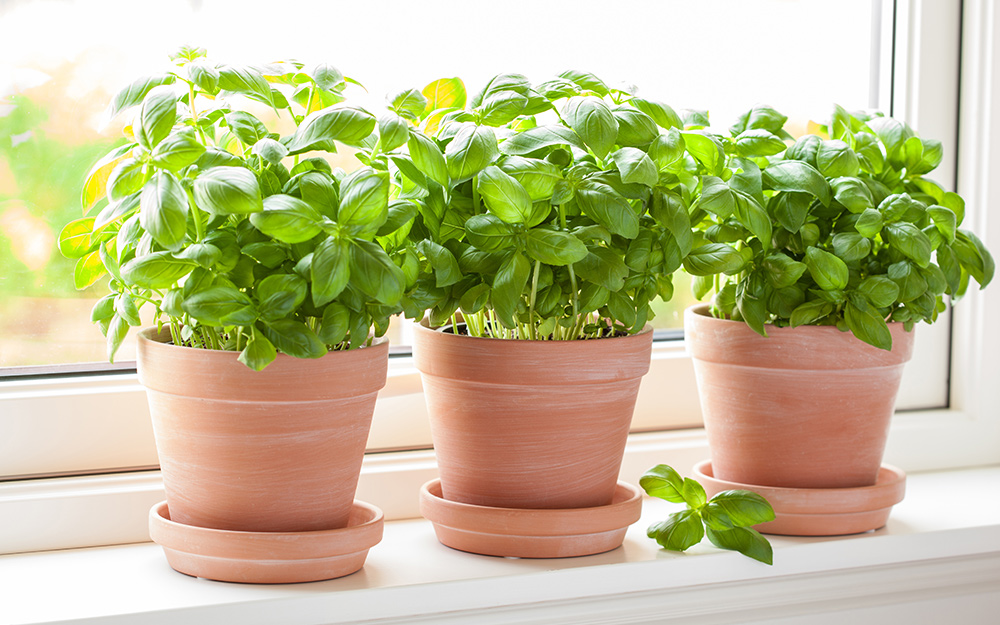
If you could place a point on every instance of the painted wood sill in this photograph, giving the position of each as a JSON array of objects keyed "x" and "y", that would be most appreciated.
[{"x": 942, "y": 541}]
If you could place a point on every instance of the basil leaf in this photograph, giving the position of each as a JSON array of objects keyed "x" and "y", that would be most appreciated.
[
  {"x": 364, "y": 202},
  {"x": 409, "y": 104},
  {"x": 911, "y": 284},
  {"x": 279, "y": 295},
  {"x": 706, "y": 149},
  {"x": 797, "y": 176},
  {"x": 534, "y": 139},
  {"x": 247, "y": 81},
  {"x": 745, "y": 540},
  {"x": 330, "y": 271},
  {"x": 156, "y": 117},
  {"x": 744, "y": 508},
  {"x": 835, "y": 158},
  {"x": 508, "y": 286},
  {"x": 504, "y": 196},
  {"x": 163, "y": 210},
  {"x": 444, "y": 93},
  {"x": 135, "y": 92},
  {"x": 427, "y": 157},
  {"x": 664, "y": 116},
  {"x": 586, "y": 80},
  {"x": 853, "y": 194},
  {"x": 713, "y": 258},
  {"x": 318, "y": 131},
  {"x": 592, "y": 120},
  {"x": 470, "y": 151},
  {"x": 259, "y": 352},
  {"x": 393, "y": 131},
  {"x": 781, "y": 270},
  {"x": 553, "y": 247},
  {"x": 287, "y": 219},
  {"x": 635, "y": 128},
  {"x": 374, "y": 273},
  {"x": 910, "y": 241},
  {"x": 667, "y": 149},
  {"x": 158, "y": 270},
  {"x": 220, "y": 306},
  {"x": 178, "y": 150},
  {"x": 850, "y": 246},
  {"x": 758, "y": 142},
  {"x": 680, "y": 531},
  {"x": 664, "y": 482},
  {"x": 869, "y": 223},
  {"x": 868, "y": 326},
  {"x": 75, "y": 238},
  {"x": 829, "y": 272},
  {"x": 539, "y": 178},
  {"x": 880, "y": 291},
  {"x": 716, "y": 197},
  {"x": 488, "y": 232},
  {"x": 791, "y": 209},
  {"x": 294, "y": 338},
  {"x": 228, "y": 191},
  {"x": 335, "y": 324},
  {"x": 635, "y": 166},
  {"x": 809, "y": 312}
]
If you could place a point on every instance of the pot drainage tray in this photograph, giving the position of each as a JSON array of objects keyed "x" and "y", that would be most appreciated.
[
  {"x": 531, "y": 533},
  {"x": 820, "y": 511},
  {"x": 267, "y": 557}
]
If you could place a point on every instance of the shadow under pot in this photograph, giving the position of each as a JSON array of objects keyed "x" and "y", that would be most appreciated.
[
  {"x": 806, "y": 407},
  {"x": 530, "y": 424}
]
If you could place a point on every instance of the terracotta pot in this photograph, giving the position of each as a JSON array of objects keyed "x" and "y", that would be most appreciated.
[
  {"x": 806, "y": 407},
  {"x": 273, "y": 451},
  {"x": 530, "y": 424}
]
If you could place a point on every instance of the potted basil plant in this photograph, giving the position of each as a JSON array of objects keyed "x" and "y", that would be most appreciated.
[
  {"x": 822, "y": 253},
  {"x": 547, "y": 217},
  {"x": 260, "y": 267}
]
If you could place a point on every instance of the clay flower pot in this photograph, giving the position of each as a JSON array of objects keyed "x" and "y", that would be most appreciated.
[
  {"x": 806, "y": 407},
  {"x": 273, "y": 451},
  {"x": 530, "y": 424}
]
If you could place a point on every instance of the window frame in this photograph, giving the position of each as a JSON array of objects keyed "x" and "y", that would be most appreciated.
[{"x": 74, "y": 511}]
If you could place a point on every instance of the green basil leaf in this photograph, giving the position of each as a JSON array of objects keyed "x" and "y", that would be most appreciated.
[
  {"x": 758, "y": 142},
  {"x": 880, "y": 291},
  {"x": 744, "y": 508},
  {"x": 246, "y": 127},
  {"x": 228, "y": 191},
  {"x": 635, "y": 128},
  {"x": 791, "y": 209},
  {"x": 489, "y": 233},
  {"x": 335, "y": 323},
  {"x": 635, "y": 166},
  {"x": 471, "y": 150},
  {"x": 178, "y": 150},
  {"x": 892, "y": 133},
  {"x": 554, "y": 247},
  {"x": 287, "y": 219},
  {"x": 318, "y": 131},
  {"x": 330, "y": 271},
  {"x": 945, "y": 221},
  {"x": 713, "y": 258},
  {"x": 850, "y": 246},
  {"x": 393, "y": 131},
  {"x": 279, "y": 295},
  {"x": 259, "y": 352},
  {"x": 680, "y": 531},
  {"x": 204, "y": 254},
  {"x": 604, "y": 205},
  {"x": 664, "y": 482},
  {"x": 409, "y": 104},
  {"x": 781, "y": 270},
  {"x": 667, "y": 149},
  {"x": 716, "y": 197},
  {"x": 715, "y": 517},
  {"x": 538, "y": 177},
  {"x": 809, "y": 312},
  {"x": 593, "y": 122},
  {"x": 502, "y": 107},
  {"x": 158, "y": 270},
  {"x": 974, "y": 257},
  {"x": 134, "y": 93},
  {"x": 444, "y": 263},
  {"x": 834, "y": 159},
  {"x": 586, "y": 80},
  {"x": 163, "y": 210},
  {"x": 508, "y": 286},
  {"x": 75, "y": 238},
  {"x": 428, "y": 158},
  {"x": 754, "y": 218},
  {"x": 693, "y": 493},
  {"x": 374, "y": 273},
  {"x": 220, "y": 306},
  {"x": 117, "y": 331},
  {"x": 475, "y": 299},
  {"x": 206, "y": 77},
  {"x": 869, "y": 223},
  {"x": 127, "y": 177},
  {"x": 910, "y": 241},
  {"x": 911, "y": 284},
  {"x": 745, "y": 540},
  {"x": 270, "y": 150},
  {"x": 247, "y": 81},
  {"x": 797, "y": 176},
  {"x": 364, "y": 203},
  {"x": 853, "y": 194},
  {"x": 534, "y": 139},
  {"x": 603, "y": 267},
  {"x": 294, "y": 338},
  {"x": 829, "y": 272},
  {"x": 664, "y": 116},
  {"x": 760, "y": 116},
  {"x": 156, "y": 117},
  {"x": 504, "y": 196},
  {"x": 706, "y": 149},
  {"x": 868, "y": 326}
]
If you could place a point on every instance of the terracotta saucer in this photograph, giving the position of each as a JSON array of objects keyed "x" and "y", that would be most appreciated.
[
  {"x": 267, "y": 557},
  {"x": 820, "y": 511},
  {"x": 531, "y": 533}
]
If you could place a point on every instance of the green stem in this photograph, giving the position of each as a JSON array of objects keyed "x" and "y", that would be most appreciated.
[
  {"x": 475, "y": 194},
  {"x": 532, "y": 329}
]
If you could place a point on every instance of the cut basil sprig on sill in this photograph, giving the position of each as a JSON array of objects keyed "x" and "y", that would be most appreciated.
[{"x": 726, "y": 518}]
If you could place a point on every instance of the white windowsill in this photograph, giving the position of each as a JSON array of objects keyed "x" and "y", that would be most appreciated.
[{"x": 941, "y": 549}]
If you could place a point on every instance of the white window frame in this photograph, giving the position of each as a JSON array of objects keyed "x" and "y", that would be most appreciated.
[{"x": 64, "y": 512}]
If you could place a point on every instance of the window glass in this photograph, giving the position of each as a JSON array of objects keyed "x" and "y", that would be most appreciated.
[{"x": 56, "y": 80}]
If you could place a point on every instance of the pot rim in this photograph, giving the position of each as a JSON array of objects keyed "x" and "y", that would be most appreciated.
[
  {"x": 150, "y": 334},
  {"x": 702, "y": 310},
  {"x": 424, "y": 326}
]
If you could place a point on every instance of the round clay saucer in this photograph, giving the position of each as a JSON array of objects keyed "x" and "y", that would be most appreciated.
[
  {"x": 819, "y": 511},
  {"x": 531, "y": 533},
  {"x": 267, "y": 557}
]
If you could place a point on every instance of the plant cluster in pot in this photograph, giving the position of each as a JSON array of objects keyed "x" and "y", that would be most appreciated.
[
  {"x": 266, "y": 275},
  {"x": 822, "y": 253},
  {"x": 549, "y": 216}
]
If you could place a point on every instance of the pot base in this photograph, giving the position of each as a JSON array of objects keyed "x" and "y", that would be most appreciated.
[
  {"x": 267, "y": 557},
  {"x": 819, "y": 511},
  {"x": 531, "y": 533}
]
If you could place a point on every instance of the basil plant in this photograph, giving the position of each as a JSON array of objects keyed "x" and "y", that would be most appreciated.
[
  {"x": 236, "y": 237},
  {"x": 838, "y": 228},
  {"x": 549, "y": 211}
]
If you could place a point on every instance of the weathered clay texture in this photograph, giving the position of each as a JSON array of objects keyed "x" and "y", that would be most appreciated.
[
  {"x": 819, "y": 511},
  {"x": 530, "y": 424},
  {"x": 806, "y": 407},
  {"x": 531, "y": 533},
  {"x": 267, "y": 557},
  {"x": 273, "y": 451}
]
